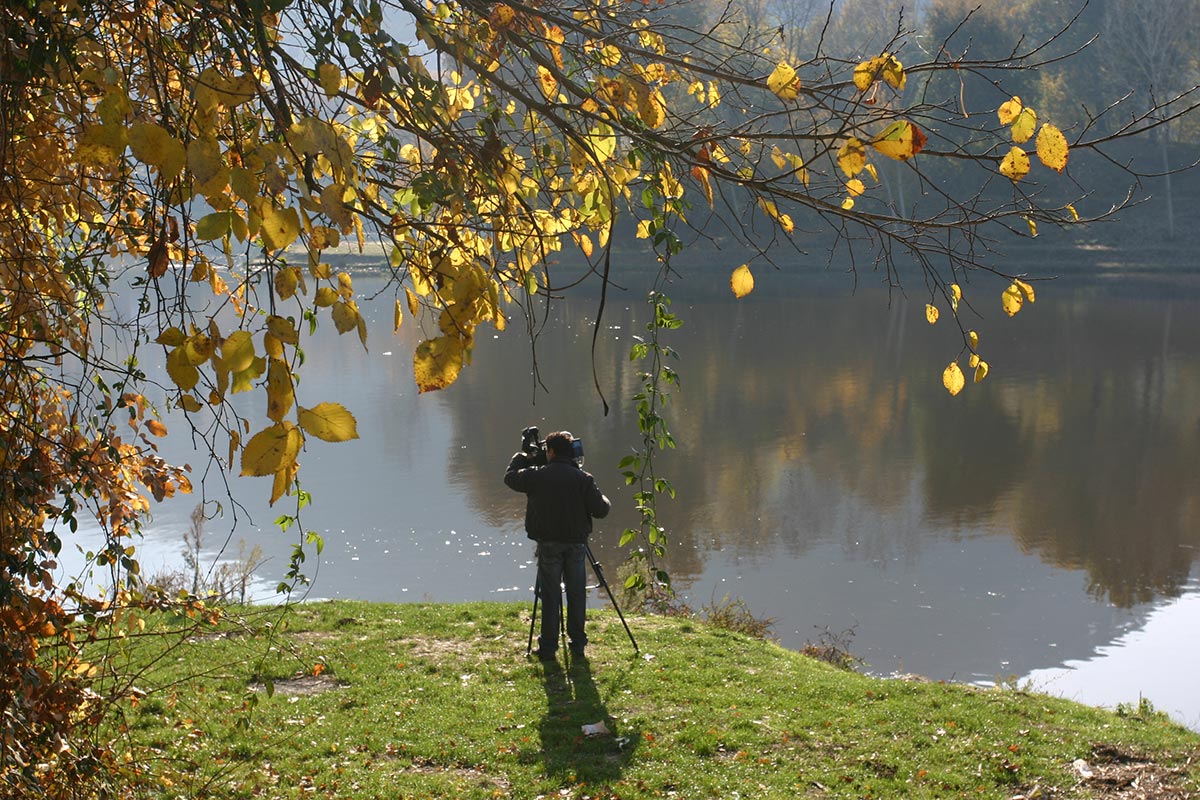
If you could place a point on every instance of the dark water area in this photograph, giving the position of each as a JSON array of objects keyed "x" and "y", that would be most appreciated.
[{"x": 1044, "y": 525}]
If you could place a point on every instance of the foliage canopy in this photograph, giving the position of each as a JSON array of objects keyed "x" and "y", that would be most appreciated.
[{"x": 205, "y": 159}]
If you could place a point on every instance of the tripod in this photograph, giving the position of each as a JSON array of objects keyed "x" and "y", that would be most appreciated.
[{"x": 599, "y": 572}]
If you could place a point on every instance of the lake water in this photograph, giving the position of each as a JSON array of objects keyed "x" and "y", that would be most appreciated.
[{"x": 1042, "y": 526}]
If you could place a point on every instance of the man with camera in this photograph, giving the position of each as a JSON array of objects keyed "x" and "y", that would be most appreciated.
[{"x": 561, "y": 500}]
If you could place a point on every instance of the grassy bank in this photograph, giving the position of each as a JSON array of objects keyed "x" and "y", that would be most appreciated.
[{"x": 357, "y": 700}]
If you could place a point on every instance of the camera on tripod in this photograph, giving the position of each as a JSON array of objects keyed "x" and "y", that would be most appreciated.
[{"x": 535, "y": 448}]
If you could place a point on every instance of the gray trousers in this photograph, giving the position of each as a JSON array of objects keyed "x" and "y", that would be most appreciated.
[{"x": 562, "y": 564}]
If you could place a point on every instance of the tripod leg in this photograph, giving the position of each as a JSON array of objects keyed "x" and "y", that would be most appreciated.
[
  {"x": 537, "y": 590},
  {"x": 600, "y": 576}
]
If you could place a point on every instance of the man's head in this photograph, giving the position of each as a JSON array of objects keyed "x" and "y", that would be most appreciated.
[{"x": 561, "y": 445}]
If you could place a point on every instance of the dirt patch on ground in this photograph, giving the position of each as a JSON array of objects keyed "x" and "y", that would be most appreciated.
[
  {"x": 497, "y": 785},
  {"x": 1115, "y": 774},
  {"x": 301, "y": 685}
]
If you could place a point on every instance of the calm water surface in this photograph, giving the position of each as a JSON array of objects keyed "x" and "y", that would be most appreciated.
[{"x": 1043, "y": 525}]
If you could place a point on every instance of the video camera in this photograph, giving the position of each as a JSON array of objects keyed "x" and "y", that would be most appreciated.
[{"x": 535, "y": 448}]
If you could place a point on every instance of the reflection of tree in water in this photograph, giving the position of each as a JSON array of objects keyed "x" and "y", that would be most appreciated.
[{"x": 795, "y": 409}]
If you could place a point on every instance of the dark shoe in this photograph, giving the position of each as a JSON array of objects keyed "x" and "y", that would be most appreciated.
[{"x": 544, "y": 655}]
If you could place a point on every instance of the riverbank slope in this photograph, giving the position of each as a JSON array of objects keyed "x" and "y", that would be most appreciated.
[{"x": 367, "y": 700}]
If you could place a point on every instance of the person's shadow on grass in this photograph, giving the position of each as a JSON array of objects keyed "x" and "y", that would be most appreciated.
[{"x": 574, "y": 749}]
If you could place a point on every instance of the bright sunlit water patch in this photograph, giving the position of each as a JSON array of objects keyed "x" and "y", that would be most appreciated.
[{"x": 1155, "y": 661}]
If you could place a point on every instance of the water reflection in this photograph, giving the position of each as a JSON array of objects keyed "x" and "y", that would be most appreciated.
[{"x": 823, "y": 473}]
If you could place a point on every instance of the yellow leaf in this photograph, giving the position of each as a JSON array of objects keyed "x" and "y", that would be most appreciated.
[
  {"x": 397, "y": 317},
  {"x": 1074, "y": 213},
  {"x": 855, "y": 187},
  {"x": 893, "y": 72},
  {"x": 901, "y": 140},
  {"x": 973, "y": 337},
  {"x": 547, "y": 83},
  {"x": 437, "y": 362},
  {"x": 153, "y": 145},
  {"x": 1032, "y": 223},
  {"x": 329, "y": 422},
  {"x": 953, "y": 379},
  {"x": 243, "y": 381},
  {"x": 330, "y": 78},
  {"x": 848, "y": 204},
  {"x": 213, "y": 226},
  {"x": 345, "y": 316},
  {"x": 741, "y": 281},
  {"x": 1053, "y": 151},
  {"x": 182, "y": 373},
  {"x": 1015, "y": 165},
  {"x": 652, "y": 109},
  {"x": 325, "y": 297},
  {"x": 204, "y": 159},
  {"x": 280, "y": 392},
  {"x": 931, "y": 313},
  {"x": 974, "y": 360},
  {"x": 885, "y": 66},
  {"x": 784, "y": 82},
  {"x": 287, "y": 280},
  {"x": 189, "y": 404},
  {"x": 171, "y": 337},
  {"x": 981, "y": 371},
  {"x": 864, "y": 74},
  {"x": 283, "y": 329},
  {"x": 852, "y": 158},
  {"x": 1009, "y": 110},
  {"x": 414, "y": 304},
  {"x": 1011, "y": 300},
  {"x": 272, "y": 449},
  {"x": 237, "y": 351},
  {"x": 272, "y": 346},
  {"x": 283, "y": 479},
  {"x": 1024, "y": 126},
  {"x": 955, "y": 295},
  {"x": 280, "y": 227},
  {"x": 1026, "y": 290}
]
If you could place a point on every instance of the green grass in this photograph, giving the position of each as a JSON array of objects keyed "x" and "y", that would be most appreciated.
[{"x": 358, "y": 700}]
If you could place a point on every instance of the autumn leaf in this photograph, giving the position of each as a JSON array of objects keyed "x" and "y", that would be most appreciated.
[
  {"x": 981, "y": 371},
  {"x": 153, "y": 145},
  {"x": 329, "y": 422},
  {"x": 280, "y": 392},
  {"x": 1026, "y": 290},
  {"x": 1012, "y": 300},
  {"x": 1052, "y": 150},
  {"x": 1024, "y": 125},
  {"x": 437, "y": 362},
  {"x": 280, "y": 227},
  {"x": 213, "y": 226},
  {"x": 237, "y": 351},
  {"x": 1015, "y": 165},
  {"x": 901, "y": 140},
  {"x": 272, "y": 449},
  {"x": 741, "y": 281},
  {"x": 885, "y": 66},
  {"x": 330, "y": 78},
  {"x": 953, "y": 379},
  {"x": 931, "y": 313},
  {"x": 547, "y": 83},
  {"x": 852, "y": 157},
  {"x": 1009, "y": 110},
  {"x": 784, "y": 82}
]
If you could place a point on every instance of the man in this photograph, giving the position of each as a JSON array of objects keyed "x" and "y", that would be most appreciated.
[{"x": 561, "y": 500}]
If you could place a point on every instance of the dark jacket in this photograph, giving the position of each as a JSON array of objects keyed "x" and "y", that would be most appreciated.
[{"x": 561, "y": 499}]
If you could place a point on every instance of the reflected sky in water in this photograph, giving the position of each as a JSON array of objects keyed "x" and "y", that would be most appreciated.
[{"x": 1041, "y": 524}]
